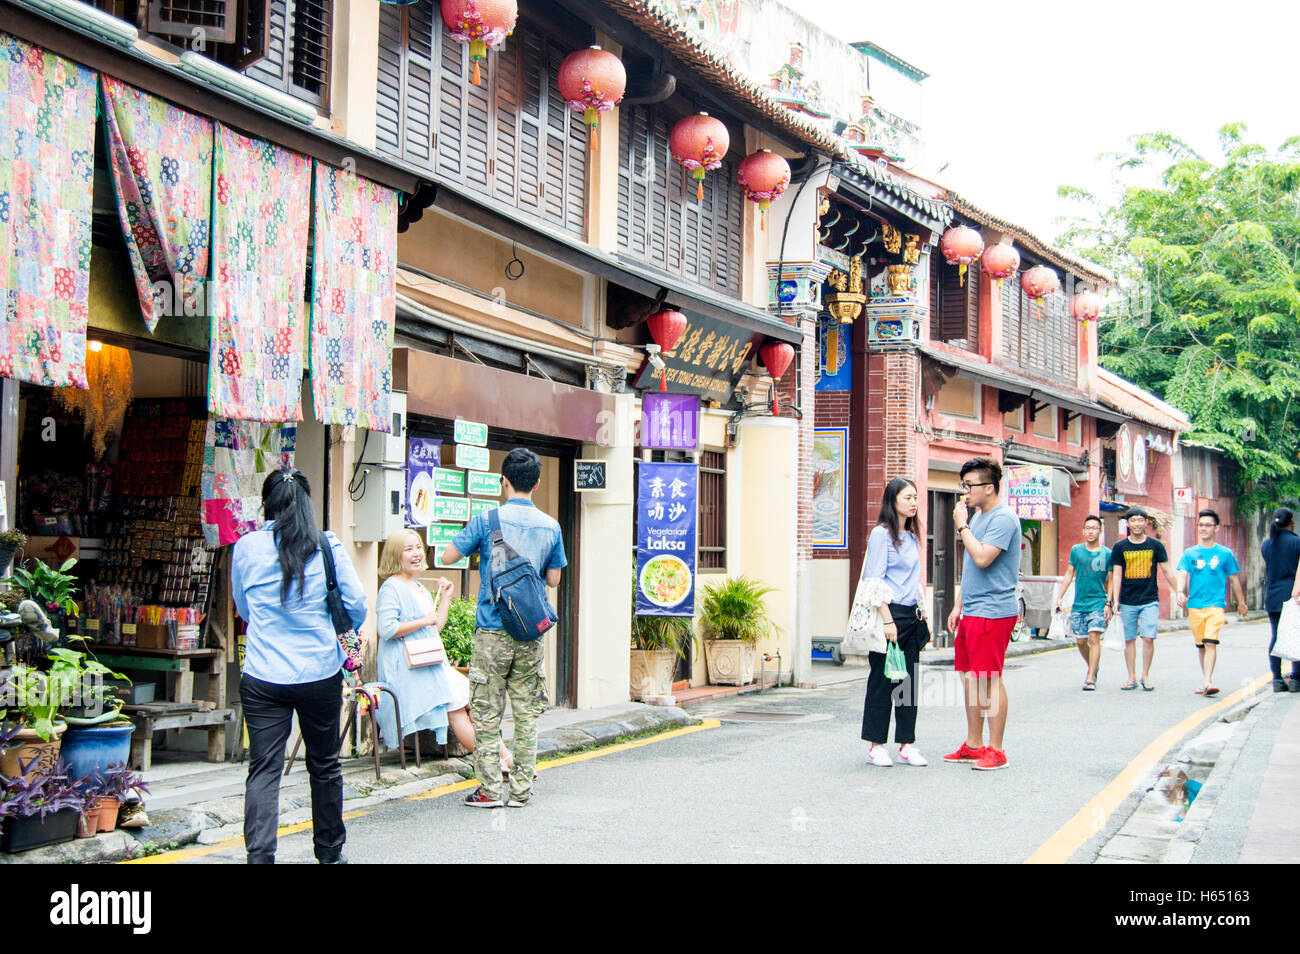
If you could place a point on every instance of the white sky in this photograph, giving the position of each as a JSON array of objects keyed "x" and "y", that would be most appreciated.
[{"x": 1023, "y": 97}]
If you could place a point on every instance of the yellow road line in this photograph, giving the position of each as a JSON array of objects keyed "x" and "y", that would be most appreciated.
[
  {"x": 1091, "y": 819},
  {"x": 198, "y": 851}
]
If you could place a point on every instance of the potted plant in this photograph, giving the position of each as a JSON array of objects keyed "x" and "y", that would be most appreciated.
[
  {"x": 51, "y": 588},
  {"x": 106, "y": 791},
  {"x": 38, "y": 810},
  {"x": 733, "y": 617},
  {"x": 657, "y": 643},
  {"x": 11, "y": 541},
  {"x": 33, "y": 713},
  {"x": 97, "y": 734},
  {"x": 458, "y": 633}
]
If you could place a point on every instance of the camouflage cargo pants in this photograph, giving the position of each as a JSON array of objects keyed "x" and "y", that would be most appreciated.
[{"x": 502, "y": 666}]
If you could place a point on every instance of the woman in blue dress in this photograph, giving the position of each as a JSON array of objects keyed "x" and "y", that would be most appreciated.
[{"x": 430, "y": 697}]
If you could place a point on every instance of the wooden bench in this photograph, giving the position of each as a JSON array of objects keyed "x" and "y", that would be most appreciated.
[{"x": 179, "y": 710}]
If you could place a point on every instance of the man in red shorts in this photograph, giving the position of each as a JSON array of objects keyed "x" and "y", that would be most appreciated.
[{"x": 986, "y": 609}]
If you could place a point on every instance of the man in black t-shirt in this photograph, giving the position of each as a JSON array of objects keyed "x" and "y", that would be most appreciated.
[{"x": 1135, "y": 595}]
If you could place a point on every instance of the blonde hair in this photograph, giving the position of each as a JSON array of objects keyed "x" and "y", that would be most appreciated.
[{"x": 390, "y": 560}]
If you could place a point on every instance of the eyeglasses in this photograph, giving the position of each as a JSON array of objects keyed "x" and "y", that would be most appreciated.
[
  {"x": 1207, "y": 526},
  {"x": 964, "y": 486}
]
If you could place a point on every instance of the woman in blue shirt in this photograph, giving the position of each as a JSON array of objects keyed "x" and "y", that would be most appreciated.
[
  {"x": 894, "y": 557},
  {"x": 292, "y": 663},
  {"x": 430, "y": 697},
  {"x": 1281, "y": 557}
]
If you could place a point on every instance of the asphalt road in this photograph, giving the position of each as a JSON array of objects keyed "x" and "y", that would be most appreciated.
[{"x": 801, "y": 790}]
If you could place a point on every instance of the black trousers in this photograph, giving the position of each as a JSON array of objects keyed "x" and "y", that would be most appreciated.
[
  {"x": 268, "y": 713},
  {"x": 1274, "y": 663},
  {"x": 900, "y": 698}
]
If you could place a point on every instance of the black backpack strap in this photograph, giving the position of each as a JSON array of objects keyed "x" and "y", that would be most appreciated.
[{"x": 327, "y": 558}]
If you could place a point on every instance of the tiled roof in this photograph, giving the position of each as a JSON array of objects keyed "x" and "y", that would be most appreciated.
[
  {"x": 1031, "y": 242},
  {"x": 659, "y": 21},
  {"x": 1127, "y": 398},
  {"x": 873, "y": 173}
]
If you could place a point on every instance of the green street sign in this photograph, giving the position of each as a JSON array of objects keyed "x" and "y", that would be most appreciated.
[
  {"x": 477, "y": 507},
  {"x": 439, "y": 537},
  {"x": 455, "y": 509},
  {"x": 473, "y": 458},
  {"x": 483, "y": 484},
  {"x": 468, "y": 432},
  {"x": 448, "y": 481}
]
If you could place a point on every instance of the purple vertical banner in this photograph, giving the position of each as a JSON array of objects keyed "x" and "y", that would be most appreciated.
[
  {"x": 666, "y": 504},
  {"x": 423, "y": 456},
  {"x": 670, "y": 421}
]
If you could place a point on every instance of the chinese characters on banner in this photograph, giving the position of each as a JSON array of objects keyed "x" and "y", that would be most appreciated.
[
  {"x": 708, "y": 360},
  {"x": 1029, "y": 492},
  {"x": 665, "y": 539},
  {"x": 670, "y": 421},
  {"x": 423, "y": 456}
]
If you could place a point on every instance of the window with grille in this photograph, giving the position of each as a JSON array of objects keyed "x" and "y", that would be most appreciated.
[{"x": 711, "y": 519}]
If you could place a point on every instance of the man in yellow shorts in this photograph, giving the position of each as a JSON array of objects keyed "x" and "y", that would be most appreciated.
[{"x": 1204, "y": 572}]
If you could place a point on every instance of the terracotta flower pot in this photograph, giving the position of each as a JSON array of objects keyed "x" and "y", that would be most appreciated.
[
  {"x": 26, "y": 746},
  {"x": 106, "y": 812},
  {"x": 88, "y": 825}
]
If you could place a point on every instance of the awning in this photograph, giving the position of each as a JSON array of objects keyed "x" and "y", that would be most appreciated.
[
  {"x": 619, "y": 269},
  {"x": 1004, "y": 380},
  {"x": 1015, "y": 453},
  {"x": 868, "y": 182}
]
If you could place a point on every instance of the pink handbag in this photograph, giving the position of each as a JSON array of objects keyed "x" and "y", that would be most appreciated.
[{"x": 428, "y": 650}]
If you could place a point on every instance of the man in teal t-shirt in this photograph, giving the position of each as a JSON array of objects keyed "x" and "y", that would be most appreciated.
[
  {"x": 1204, "y": 572},
  {"x": 1088, "y": 569}
]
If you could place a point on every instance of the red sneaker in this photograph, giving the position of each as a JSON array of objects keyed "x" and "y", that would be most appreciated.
[
  {"x": 964, "y": 754},
  {"x": 481, "y": 799},
  {"x": 991, "y": 760}
]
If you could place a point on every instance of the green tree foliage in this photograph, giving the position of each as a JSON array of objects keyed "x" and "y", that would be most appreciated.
[{"x": 1208, "y": 316}]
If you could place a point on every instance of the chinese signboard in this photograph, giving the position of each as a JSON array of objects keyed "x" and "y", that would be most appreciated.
[
  {"x": 665, "y": 539},
  {"x": 422, "y": 457},
  {"x": 670, "y": 421},
  {"x": 472, "y": 458},
  {"x": 468, "y": 432},
  {"x": 451, "y": 508},
  {"x": 439, "y": 536},
  {"x": 484, "y": 485},
  {"x": 448, "y": 481},
  {"x": 477, "y": 507},
  {"x": 1029, "y": 492},
  {"x": 708, "y": 360}
]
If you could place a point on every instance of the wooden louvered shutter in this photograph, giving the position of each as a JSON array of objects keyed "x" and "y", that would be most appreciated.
[
  {"x": 404, "y": 92},
  {"x": 505, "y": 118},
  {"x": 529, "y": 131},
  {"x": 462, "y": 117},
  {"x": 390, "y": 104},
  {"x": 973, "y": 279},
  {"x": 1011, "y": 318},
  {"x": 950, "y": 301},
  {"x": 635, "y": 164},
  {"x": 217, "y": 18},
  {"x": 273, "y": 68},
  {"x": 660, "y": 203},
  {"x": 310, "y": 70}
]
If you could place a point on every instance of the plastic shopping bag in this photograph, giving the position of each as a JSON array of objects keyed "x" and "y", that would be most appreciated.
[
  {"x": 895, "y": 663},
  {"x": 1113, "y": 637},
  {"x": 1057, "y": 630},
  {"x": 1287, "y": 645}
]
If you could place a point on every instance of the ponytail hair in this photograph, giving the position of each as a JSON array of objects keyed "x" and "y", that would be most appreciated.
[
  {"x": 1282, "y": 518},
  {"x": 286, "y": 499}
]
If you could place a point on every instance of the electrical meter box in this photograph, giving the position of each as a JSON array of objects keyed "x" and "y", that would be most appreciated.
[
  {"x": 390, "y": 448},
  {"x": 380, "y": 496}
]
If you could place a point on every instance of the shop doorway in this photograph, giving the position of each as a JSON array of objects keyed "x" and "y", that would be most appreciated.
[
  {"x": 945, "y": 562},
  {"x": 554, "y": 496}
]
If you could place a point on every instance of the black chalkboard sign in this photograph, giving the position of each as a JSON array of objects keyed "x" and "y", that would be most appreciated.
[{"x": 589, "y": 475}]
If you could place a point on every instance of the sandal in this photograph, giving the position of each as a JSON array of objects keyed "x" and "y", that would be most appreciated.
[
  {"x": 1129, "y": 685},
  {"x": 1089, "y": 687},
  {"x": 1147, "y": 686},
  {"x": 1211, "y": 690}
]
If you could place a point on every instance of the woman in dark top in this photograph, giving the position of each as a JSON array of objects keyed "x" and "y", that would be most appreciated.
[{"x": 1281, "y": 555}]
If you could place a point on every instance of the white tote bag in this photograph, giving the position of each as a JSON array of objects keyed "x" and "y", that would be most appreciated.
[
  {"x": 865, "y": 632},
  {"x": 1058, "y": 628},
  {"x": 1288, "y": 633},
  {"x": 1113, "y": 637}
]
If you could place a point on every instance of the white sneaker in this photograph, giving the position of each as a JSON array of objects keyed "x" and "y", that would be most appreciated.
[
  {"x": 879, "y": 755},
  {"x": 910, "y": 755}
]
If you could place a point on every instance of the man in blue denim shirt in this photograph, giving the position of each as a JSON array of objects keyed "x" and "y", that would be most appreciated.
[{"x": 500, "y": 664}]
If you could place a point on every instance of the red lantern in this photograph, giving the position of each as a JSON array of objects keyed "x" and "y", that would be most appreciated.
[
  {"x": 961, "y": 246},
  {"x": 480, "y": 23},
  {"x": 1039, "y": 282},
  {"x": 1086, "y": 306},
  {"x": 698, "y": 143},
  {"x": 763, "y": 175},
  {"x": 776, "y": 357},
  {"x": 666, "y": 327},
  {"x": 1000, "y": 261},
  {"x": 592, "y": 82}
]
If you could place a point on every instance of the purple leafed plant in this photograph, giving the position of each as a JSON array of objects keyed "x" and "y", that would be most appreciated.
[
  {"x": 116, "y": 781},
  {"x": 39, "y": 795}
]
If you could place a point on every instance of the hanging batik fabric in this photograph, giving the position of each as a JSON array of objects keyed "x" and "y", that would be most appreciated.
[
  {"x": 237, "y": 456},
  {"x": 259, "y": 221},
  {"x": 161, "y": 158},
  {"x": 354, "y": 299},
  {"x": 47, "y": 166}
]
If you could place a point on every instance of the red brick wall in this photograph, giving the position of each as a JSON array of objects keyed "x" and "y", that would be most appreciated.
[{"x": 833, "y": 409}]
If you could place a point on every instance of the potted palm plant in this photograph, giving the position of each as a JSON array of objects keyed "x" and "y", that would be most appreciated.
[
  {"x": 733, "y": 617},
  {"x": 657, "y": 643}
]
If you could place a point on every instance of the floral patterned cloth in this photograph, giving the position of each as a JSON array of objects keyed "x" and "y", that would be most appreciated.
[
  {"x": 260, "y": 218},
  {"x": 47, "y": 165},
  {"x": 237, "y": 456},
  {"x": 161, "y": 158},
  {"x": 354, "y": 301}
]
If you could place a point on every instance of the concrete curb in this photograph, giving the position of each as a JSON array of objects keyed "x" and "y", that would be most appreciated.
[{"x": 219, "y": 819}]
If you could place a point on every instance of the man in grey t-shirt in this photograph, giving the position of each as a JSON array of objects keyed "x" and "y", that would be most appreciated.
[{"x": 986, "y": 609}]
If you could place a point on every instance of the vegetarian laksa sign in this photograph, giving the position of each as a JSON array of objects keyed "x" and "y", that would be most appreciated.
[{"x": 665, "y": 540}]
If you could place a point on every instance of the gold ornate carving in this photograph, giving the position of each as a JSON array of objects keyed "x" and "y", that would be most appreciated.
[
  {"x": 845, "y": 303},
  {"x": 837, "y": 279},
  {"x": 899, "y": 280},
  {"x": 855, "y": 274},
  {"x": 912, "y": 253},
  {"x": 892, "y": 237}
]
